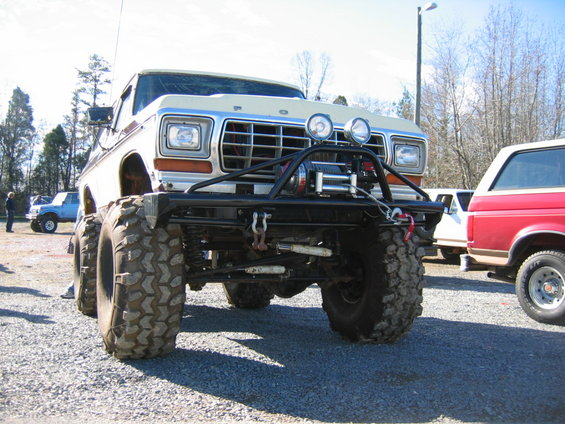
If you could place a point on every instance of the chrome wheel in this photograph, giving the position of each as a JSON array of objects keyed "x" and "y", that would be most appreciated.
[{"x": 546, "y": 287}]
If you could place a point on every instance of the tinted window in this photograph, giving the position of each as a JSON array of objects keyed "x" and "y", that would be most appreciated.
[
  {"x": 533, "y": 169},
  {"x": 464, "y": 199},
  {"x": 150, "y": 87},
  {"x": 72, "y": 198}
]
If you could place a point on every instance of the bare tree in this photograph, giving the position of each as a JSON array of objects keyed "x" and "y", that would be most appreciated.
[
  {"x": 372, "y": 105},
  {"x": 556, "y": 96},
  {"x": 74, "y": 131},
  {"x": 446, "y": 112},
  {"x": 506, "y": 87},
  {"x": 311, "y": 74}
]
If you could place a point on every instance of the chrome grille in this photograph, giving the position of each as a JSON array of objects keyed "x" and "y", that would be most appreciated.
[{"x": 247, "y": 143}]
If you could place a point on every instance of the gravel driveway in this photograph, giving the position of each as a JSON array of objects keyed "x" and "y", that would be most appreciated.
[{"x": 472, "y": 356}]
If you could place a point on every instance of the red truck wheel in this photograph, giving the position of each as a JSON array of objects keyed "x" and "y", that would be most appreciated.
[{"x": 540, "y": 286}]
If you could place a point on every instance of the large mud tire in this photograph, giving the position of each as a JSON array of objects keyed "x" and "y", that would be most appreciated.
[
  {"x": 540, "y": 286},
  {"x": 248, "y": 295},
  {"x": 85, "y": 241},
  {"x": 385, "y": 297},
  {"x": 140, "y": 283}
]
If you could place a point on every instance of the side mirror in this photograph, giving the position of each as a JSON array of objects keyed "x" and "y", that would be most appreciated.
[{"x": 100, "y": 116}]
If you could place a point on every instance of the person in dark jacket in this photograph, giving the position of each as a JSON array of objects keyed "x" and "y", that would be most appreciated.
[{"x": 10, "y": 211}]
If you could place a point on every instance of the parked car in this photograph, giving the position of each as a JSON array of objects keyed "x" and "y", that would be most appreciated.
[
  {"x": 450, "y": 234},
  {"x": 516, "y": 226},
  {"x": 39, "y": 200},
  {"x": 45, "y": 217}
]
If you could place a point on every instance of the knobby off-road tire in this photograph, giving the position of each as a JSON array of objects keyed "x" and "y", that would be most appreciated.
[
  {"x": 540, "y": 286},
  {"x": 140, "y": 283},
  {"x": 85, "y": 241},
  {"x": 380, "y": 305},
  {"x": 248, "y": 295}
]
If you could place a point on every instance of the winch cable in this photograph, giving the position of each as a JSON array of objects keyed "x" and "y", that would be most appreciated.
[
  {"x": 383, "y": 207},
  {"x": 396, "y": 215}
]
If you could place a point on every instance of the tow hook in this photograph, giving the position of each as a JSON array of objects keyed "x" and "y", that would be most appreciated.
[
  {"x": 398, "y": 216},
  {"x": 259, "y": 243}
]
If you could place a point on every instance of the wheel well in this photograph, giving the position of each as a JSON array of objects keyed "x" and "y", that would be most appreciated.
[
  {"x": 532, "y": 243},
  {"x": 88, "y": 200},
  {"x": 51, "y": 215},
  {"x": 134, "y": 178}
]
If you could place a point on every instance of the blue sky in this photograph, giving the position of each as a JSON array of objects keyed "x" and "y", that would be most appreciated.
[{"x": 372, "y": 43}]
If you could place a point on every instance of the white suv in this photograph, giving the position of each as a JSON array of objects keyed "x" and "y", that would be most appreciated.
[{"x": 450, "y": 234}]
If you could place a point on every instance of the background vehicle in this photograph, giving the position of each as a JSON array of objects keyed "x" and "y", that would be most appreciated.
[
  {"x": 201, "y": 178},
  {"x": 45, "y": 217},
  {"x": 39, "y": 200},
  {"x": 450, "y": 234},
  {"x": 517, "y": 226}
]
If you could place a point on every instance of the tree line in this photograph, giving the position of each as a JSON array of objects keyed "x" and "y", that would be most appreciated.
[
  {"x": 30, "y": 165},
  {"x": 503, "y": 85}
]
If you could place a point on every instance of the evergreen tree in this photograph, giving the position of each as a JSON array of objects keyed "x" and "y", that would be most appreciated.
[
  {"x": 50, "y": 172},
  {"x": 405, "y": 108},
  {"x": 340, "y": 100},
  {"x": 16, "y": 139},
  {"x": 92, "y": 82}
]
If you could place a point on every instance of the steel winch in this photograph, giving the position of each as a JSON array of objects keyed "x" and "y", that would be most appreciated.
[{"x": 318, "y": 178}]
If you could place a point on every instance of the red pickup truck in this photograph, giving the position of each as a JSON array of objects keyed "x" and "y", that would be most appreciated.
[{"x": 516, "y": 226}]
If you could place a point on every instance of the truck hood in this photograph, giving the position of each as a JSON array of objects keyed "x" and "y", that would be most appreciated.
[{"x": 277, "y": 108}]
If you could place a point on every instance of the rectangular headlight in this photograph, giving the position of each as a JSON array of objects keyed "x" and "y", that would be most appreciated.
[
  {"x": 407, "y": 155},
  {"x": 183, "y": 136}
]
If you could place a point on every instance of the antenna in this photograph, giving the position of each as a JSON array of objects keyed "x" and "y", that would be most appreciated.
[{"x": 116, "y": 52}]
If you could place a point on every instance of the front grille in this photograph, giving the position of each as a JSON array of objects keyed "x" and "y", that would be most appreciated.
[{"x": 246, "y": 143}]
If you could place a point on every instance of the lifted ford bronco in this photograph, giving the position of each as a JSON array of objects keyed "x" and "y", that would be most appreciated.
[{"x": 202, "y": 178}]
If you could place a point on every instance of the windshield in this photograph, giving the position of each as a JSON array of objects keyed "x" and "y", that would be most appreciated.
[
  {"x": 58, "y": 200},
  {"x": 150, "y": 87}
]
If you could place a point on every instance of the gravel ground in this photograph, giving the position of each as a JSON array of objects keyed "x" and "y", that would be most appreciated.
[{"x": 473, "y": 356}]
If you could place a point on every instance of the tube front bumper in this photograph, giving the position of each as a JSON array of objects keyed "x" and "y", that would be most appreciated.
[{"x": 348, "y": 211}]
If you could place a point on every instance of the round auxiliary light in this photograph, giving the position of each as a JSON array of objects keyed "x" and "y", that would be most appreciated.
[
  {"x": 319, "y": 127},
  {"x": 357, "y": 131}
]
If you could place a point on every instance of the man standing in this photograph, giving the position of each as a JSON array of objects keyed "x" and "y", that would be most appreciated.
[{"x": 10, "y": 211}]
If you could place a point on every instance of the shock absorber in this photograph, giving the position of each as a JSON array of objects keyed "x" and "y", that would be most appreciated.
[{"x": 192, "y": 248}]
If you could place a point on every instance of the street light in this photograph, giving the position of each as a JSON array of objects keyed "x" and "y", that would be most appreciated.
[{"x": 428, "y": 6}]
